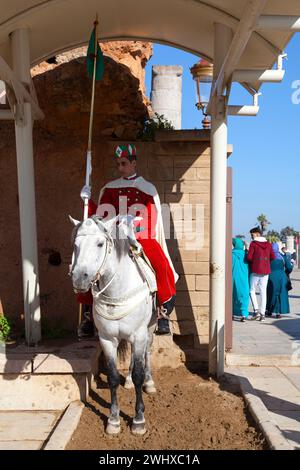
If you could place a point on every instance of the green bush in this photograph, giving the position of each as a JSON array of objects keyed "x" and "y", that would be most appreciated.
[
  {"x": 157, "y": 123},
  {"x": 4, "y": 329}
]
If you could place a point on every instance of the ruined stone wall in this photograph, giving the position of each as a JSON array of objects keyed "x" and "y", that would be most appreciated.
[{"x": 64, "y": 92}]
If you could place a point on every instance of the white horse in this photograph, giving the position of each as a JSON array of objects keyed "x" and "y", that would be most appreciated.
[{"x": 123, "y": 306}]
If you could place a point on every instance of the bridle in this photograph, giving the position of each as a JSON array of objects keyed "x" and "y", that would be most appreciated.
[{"x": 109, "y": 243}]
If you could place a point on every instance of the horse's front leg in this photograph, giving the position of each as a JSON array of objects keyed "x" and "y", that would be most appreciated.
[
  {"x": 110, "y": 351},
  {"x": 128, "y": 381},
  {"x": 138, "y": 377},
  {"x": 149, "y": 385}
]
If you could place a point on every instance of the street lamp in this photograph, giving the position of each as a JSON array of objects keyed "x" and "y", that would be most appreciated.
[{"x": 202, "y": 73}]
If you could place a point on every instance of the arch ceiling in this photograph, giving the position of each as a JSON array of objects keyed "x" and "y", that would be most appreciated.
[{"x": 58, "y": 25}]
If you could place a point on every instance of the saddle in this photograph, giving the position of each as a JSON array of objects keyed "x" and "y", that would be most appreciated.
[{"x": 144, "y": 266}]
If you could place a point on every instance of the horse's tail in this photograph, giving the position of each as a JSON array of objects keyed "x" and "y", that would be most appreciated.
[{"x": 122, "y": 349}]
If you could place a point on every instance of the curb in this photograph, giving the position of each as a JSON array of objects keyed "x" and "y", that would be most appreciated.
[
  {"x": 248, "y": 360},
  {"x": 63, "y": 432},
  {"x": 261, "y": 415}
]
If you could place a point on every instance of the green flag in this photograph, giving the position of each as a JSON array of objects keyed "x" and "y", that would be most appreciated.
[{"x": 90, "y": 59}]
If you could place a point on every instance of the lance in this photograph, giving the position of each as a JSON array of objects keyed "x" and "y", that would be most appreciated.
[
  {"x": 88, "y": 171},
  {"x": 94, "y": 53}
]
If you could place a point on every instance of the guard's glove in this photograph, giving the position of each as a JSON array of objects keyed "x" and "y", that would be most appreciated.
[{"x": 85, "y": 192}]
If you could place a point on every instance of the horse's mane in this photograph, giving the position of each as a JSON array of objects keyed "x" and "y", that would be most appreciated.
[
  {"x": 119, "y": 237},
  {"x": 121, "y": 242}
]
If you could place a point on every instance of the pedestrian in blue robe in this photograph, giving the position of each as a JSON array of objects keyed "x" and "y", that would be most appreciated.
[
  {"x": 240, "y": 280},
  {"x": 277, "y": 291}
]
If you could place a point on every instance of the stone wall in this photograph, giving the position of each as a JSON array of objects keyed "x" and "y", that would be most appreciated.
[
  {"x": 64, "y": 92},
  {"x": 179, "y": 170},
  {"x": 132, "y": 54}
]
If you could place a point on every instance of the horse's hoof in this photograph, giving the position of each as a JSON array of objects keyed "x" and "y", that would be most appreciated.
[
  {"x": 138, "y": 429},
  {"x": 128, "y": 383},
  {"x": 149, "y": 387},
  {"x": 113, "y": 428}
]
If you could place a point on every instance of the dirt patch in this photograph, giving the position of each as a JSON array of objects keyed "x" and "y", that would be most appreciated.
[{"x": 189, "y": 411}]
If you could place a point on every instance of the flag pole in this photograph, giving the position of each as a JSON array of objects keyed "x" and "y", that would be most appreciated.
[{"x": 89, "y": 148}]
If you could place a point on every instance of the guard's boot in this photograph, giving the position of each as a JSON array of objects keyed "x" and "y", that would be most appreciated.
[
  {"x": 163, "y": 325},
  {"x": 86, "y": 327}
]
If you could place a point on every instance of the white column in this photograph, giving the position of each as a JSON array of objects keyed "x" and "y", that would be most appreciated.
[
  {"x": 166, "y": 93},
  {"x": 290, "y": 243},
  {"x": 24, "y": 147},
  {"x": 222, "y": 39}
]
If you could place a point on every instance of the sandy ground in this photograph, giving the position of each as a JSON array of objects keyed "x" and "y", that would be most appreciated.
[{"x": 189, "y": 411}]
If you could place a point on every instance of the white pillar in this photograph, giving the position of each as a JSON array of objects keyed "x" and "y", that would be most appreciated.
[
  {"x": 166, "y": 93},
  {"x": 290, "y": 243},
  {"x": 24, "y": 147},
  {"x": 222, "y": 39}
]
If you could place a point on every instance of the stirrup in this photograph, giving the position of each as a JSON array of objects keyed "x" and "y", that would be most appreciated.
[
  {"x": 163, "y": 327},
  {"x": 162, "y": 312}
]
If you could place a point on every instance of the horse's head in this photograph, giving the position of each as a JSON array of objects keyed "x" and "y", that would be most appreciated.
[{"x": 92, "y": 241}]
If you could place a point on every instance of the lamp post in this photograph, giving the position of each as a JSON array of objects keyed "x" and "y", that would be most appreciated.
[{"x": 202, "y": 73}]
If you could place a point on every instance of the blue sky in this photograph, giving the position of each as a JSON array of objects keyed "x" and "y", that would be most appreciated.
[{"x": 266, "y": 148}]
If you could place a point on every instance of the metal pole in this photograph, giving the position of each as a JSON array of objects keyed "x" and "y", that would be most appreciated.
[
  {"x": 24, "y": 147},
  {"x": 222, "y": 40}
]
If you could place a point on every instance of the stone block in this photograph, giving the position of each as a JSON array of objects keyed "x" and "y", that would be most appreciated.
[
  {"x": 50, "y": 363},
  {"x": 193, "y": 298},
  {"x": 190, "y": 312},
  {"x": 200, "y": 198},
  {"x": 186, "y": 283},
  {"x": 41, "y": 392},
  {"x": 21, "y": 445},
  {"x": 177, "y": 199},
  {"x": 184, "y": 342},
  {"x": 187, "y": 186},
  {"x": 158, "y": 161},
  {"x": 191, "y": 174},
  {"x": 192, "y": 267},
  {"x": 188, "y": 327},
  {"x": 182, "y": 150},
  {"x": 198, "y": 356},
  {"x": 160, "y": 173},
  {"x": 203, "y": 255},
  {"x": 195, "y": 161},
  {"x": 32, "y": 425},
  {"x": 15, "y": 363},
  {"x": 185, "y": 174},
  {"x": 202, "y": 282},
  {"x": 185, "y": 255}
]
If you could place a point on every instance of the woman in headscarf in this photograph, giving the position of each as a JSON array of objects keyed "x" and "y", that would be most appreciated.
[
  {"x": 240, "y": 280},
  {"x": 277, "y": 293}
]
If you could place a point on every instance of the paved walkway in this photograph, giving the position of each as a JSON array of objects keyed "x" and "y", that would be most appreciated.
[
  {"x": 26, "y": 430},
  {"x": 40, "y": 392},
  {"x": 274, "y": 336},
  {"x": 275, "y": 346}
]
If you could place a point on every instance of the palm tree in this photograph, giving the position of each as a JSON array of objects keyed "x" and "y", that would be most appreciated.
[
  {"x": 286, "y": 232},
  {"x": 262, "y": 219},
  {"x": 273, "y": 236}
]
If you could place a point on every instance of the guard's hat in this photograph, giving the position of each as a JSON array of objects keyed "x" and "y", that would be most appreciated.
[{"x": 125, "y": 150}]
